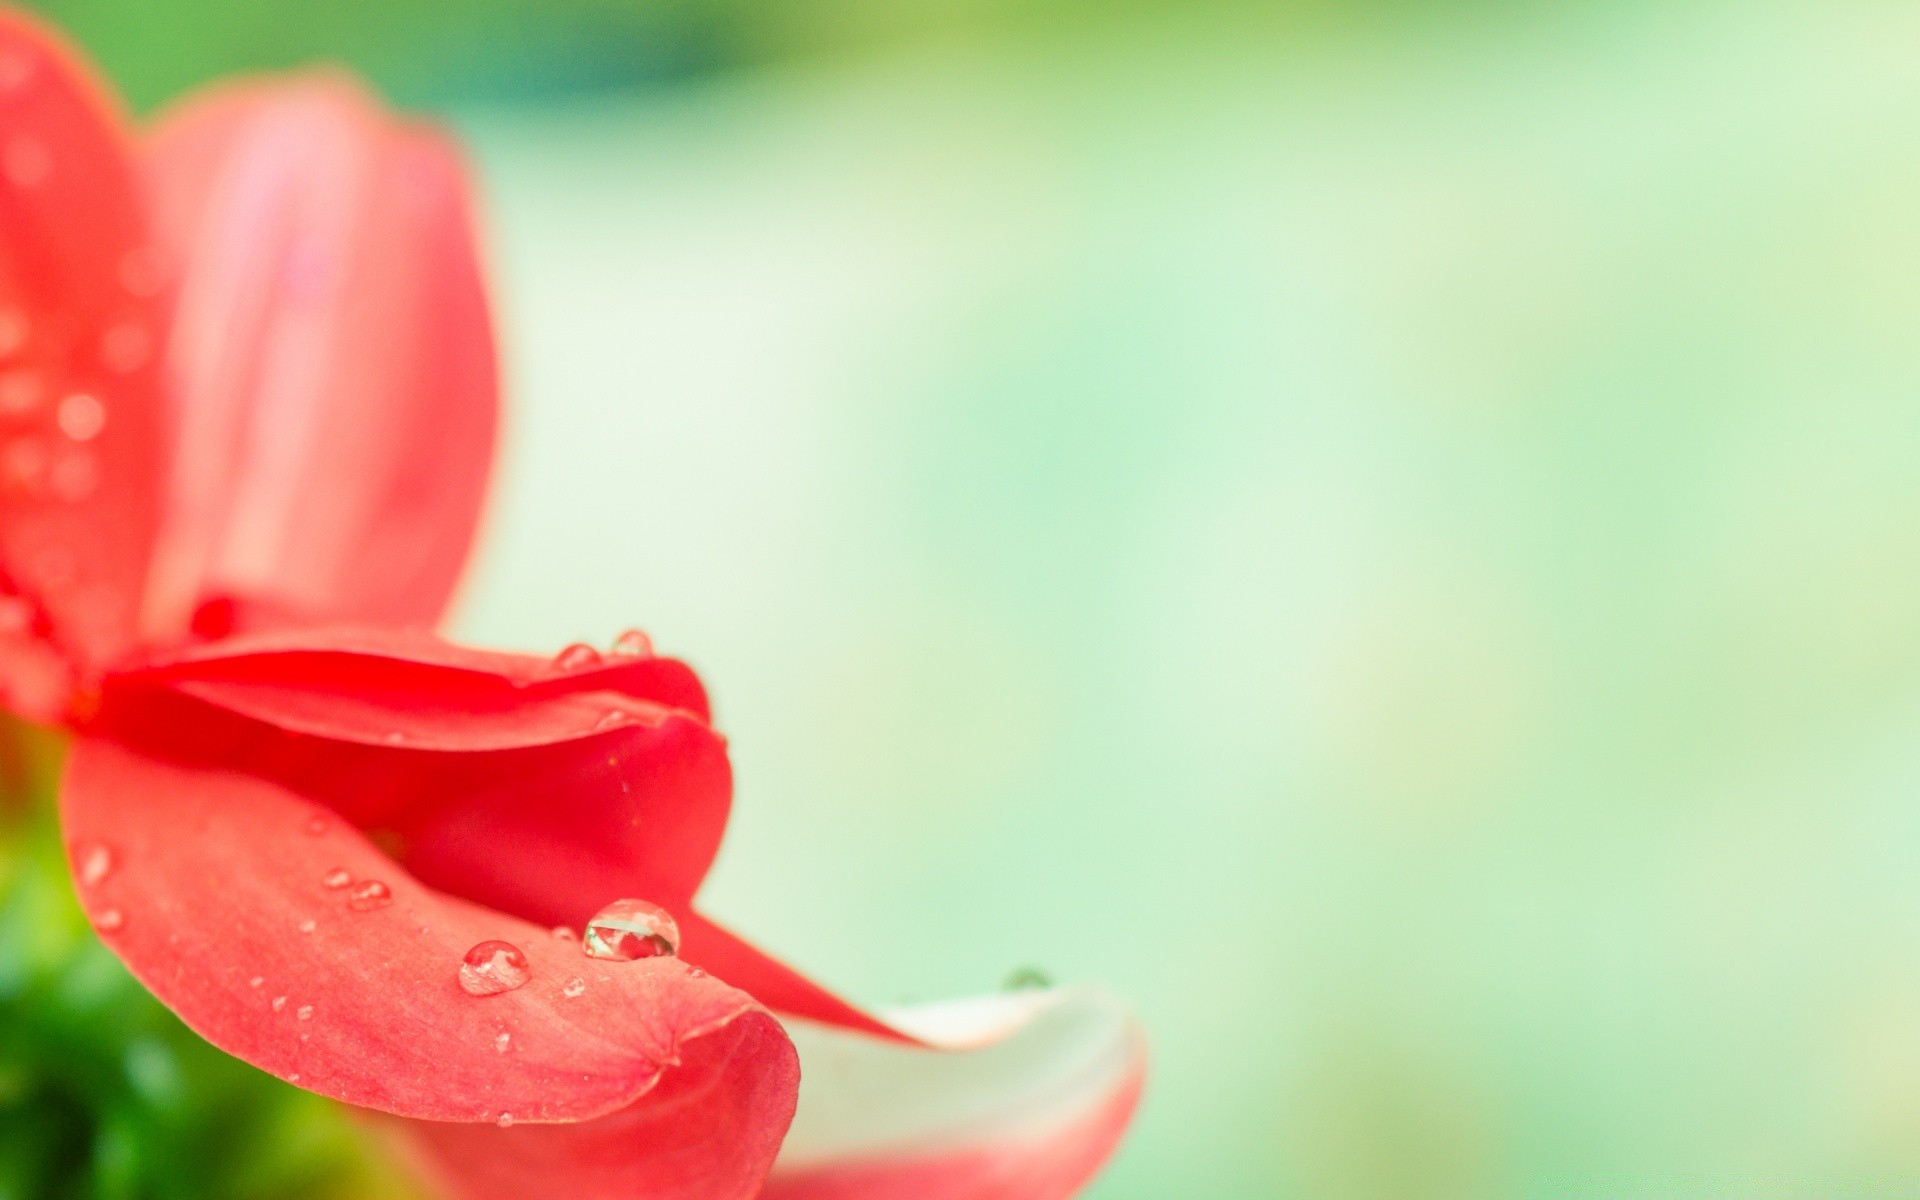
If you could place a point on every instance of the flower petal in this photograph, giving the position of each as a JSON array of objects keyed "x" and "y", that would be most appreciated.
[
  {"x": 79, "y": 391},
  {"x": 332, "y": 359},
  {"x": 599, "y": 779},
  {"x": 342, "y": 659},
  {"x": 772, "y": 982},
  {"x": 690, "y": 1139},
  {"x": 1029, "y": 1100},
  {"x": 214, "y": 889}
]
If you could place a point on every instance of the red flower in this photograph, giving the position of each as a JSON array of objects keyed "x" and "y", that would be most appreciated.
[{"x": 246, "y": 410}]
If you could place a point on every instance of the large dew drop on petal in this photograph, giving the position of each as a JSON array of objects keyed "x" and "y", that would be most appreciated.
[
  {"x": 493, "y": 967},
  {"x": 630, "y": 929}
]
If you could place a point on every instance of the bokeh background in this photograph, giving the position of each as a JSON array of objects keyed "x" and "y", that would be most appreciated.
[{"x": 1389, "y": 533}]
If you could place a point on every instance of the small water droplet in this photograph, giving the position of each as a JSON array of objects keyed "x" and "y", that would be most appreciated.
[
  {"x": 562, "y": 933},
  {"x": 629, "y": 929},
  {"x": 16, "y": 69},
  {"x": 1024, "y": 979},
  {"x": 575, "y": 987},
  {"x": 368, "y": 895},
  {"x": 309, "y": 925},
  {"x": 577, "y": 657},
  {"x": 93, "y": 862},
  {"x": 126, "y": 347},
  {"x": 20, "y": 392},
  {"x": 339, "y": 877},
  {"x": 13, "y": 330},
  {"x": 316, "y": 826},
  {"x": 696, "y": 973},
  {"x": 23, "y": 464},
  {"x": 294, "y": 1078},
  {"x": 279, "y": 1002},
  {"x": 505, "y": 1121},
  {"x": 74, "y": 475},
  {"x": 610, "y": 718},
  {"x": 304, "y": 1012},
  {"x": 109, "y": 919},
  {"x": 256, "y": 981},
  {"x": 28, "y": 162},
  {"x": 493, "y": 967},
  {"x": 502, "y": 1042},
  {"x": 81, "y": 416},
  {"x": 633, "y": 644},
  {"x": 396, "y": 737}
]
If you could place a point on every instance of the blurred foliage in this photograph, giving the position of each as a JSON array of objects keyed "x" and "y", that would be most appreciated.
[
  {"x": 104, "y": 1094},
  {"x": 432, "y": 52}
]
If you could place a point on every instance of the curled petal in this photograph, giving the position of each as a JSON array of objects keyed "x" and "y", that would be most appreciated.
[
  {"x": 331, "y": 360},
  {"x": 773, "y": 982},
  {"x": 691, "y": 1139},
  {"x": 601, "y": 785},
  {"x": 225, "y": 901},
  {"x": 80, "y": 320},
  {"x": 416, "y": 667},
  {"x": 1027, "y": 1098}
]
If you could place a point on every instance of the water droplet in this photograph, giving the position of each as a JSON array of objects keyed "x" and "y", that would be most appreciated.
[
  {"x": 28, "y": 162},
  {"x": 493, "y": 967},
  {"x": 339, "y": 877},
  {"x": 81, "y": 416},
  {"x": 294, "y": 1078},
  {"x": 93, "y": 861},
  {"x": 630, "y": 929},
  {"x": 13, "y": 330},
  {"x": 505, "y": 1121},
  {"x": 23, "y": 464},
  {"x": 563, "y": 934},
  {"x": 502, "y": 1042},
  {"x": 74, "y": 475},
  {"x": 256, "y": 981},
  {"x": 633, "y": 644},
  {"x": 696, "y": 973},
  {"x": 126, "y": 347},
  {"x": 309, "y": 925},
  {"x": 577, "y": 657},
  {"x": 109, "y": 919},
  {"x": 610, "y": 718},
  {"x": 369, "y": 895},
  {"x": 16, "y": 615},
  {"x": 1025, "y": 978},
  {"x": 279, "y": 1002},
  {"x": 396, "y": 737},
  {"x": 20, "y": 392},
  {"x": 316, "y": 826},
  {"x": 575, "y": 987},
  {"x": 304, "y": 1012},
  {"x": 16, "y": 69}
]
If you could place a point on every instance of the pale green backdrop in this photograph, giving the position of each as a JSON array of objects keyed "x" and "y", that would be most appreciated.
[{"x": 1397, "y": 547}]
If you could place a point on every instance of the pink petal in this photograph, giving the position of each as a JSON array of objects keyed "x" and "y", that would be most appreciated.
[
  {"x": 216, "y": 880},
  {"x": 692, "y": 1138},
  {"x": 79, "y": 401},
  {"x": 331, "y": 359},
  {"x": 599, "y": 782},
  {"x": 1030, "y": 1099}
]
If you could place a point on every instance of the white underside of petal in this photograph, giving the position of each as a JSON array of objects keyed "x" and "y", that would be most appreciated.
[{"x": 1012, "y": 1067}]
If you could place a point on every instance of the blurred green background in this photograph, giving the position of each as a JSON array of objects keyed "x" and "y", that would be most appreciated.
[{"x": 1390, "y": 535}]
